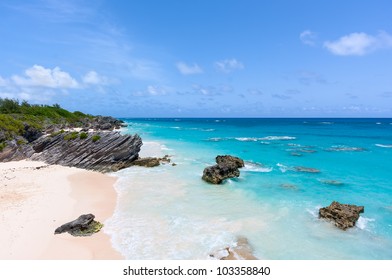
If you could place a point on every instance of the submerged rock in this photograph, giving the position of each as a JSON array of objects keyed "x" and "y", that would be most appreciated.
[
  {"x": 289, "y": 186},
  {"x": 226, "y": 167},
  {"x": 240, "y": 251},
  {"x": 344, "y": 216},
  {"x": 306, "y": 169},
  {"x": 332, "y": 182},
  {"x": 82, "y": 226}
]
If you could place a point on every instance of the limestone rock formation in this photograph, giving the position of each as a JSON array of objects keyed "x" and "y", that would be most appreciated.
[
  {"x": 102, "y": 151},
  {"x": 82, "y": 226},
  {"x": 226, "y": 167},
  {"x": 344, "y": 216}
]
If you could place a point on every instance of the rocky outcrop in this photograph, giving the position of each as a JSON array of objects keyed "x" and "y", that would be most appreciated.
[
  {"x": 151, "y": 161},
  {"x": 226, "y": 167},
  {"x": 226, "y": 160},
  {"x": 102, "y": 151},
  {"x": 344, "y": 216},
  {"x": 106, "y": 123},
  {"x": 85, "y": 225}
]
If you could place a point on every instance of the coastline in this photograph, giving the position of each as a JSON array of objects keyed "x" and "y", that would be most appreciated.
[{"x": 36, "y": 198}]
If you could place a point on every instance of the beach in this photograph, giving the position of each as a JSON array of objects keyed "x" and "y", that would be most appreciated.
[{"x": 36, "y": 198}]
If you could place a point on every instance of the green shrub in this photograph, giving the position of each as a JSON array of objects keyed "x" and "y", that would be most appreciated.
[
  {"x": 10, "y": 126},
  {"x": 2, "y": 146},
  {"x": 21, "y": 142},
  {"x": 95, "y": 138},
  {"x": 71, "y": 136},
  {"x": 83, "y": 135}
]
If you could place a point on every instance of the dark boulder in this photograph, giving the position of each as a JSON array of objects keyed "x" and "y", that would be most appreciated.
[
  {"x": 226, "y": 167},
  {"x": 230, "y": 160},
  {"x": 147, "y": 162},
  {"x": 151, "y": 161},
  {"x": 344, "y": 216},
  {"x": 82, "y": 226}
]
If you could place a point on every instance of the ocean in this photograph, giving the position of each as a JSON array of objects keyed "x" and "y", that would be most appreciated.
[{"x": 169, "y": 212}]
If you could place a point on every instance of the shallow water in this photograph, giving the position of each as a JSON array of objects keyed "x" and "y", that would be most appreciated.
[{"x": 168, "y": 212}]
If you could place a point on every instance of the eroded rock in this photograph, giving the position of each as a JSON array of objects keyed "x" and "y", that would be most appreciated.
[
  {"x": 343, "y": 216},
  {"x": 226, "y": 167},
  {"x": 85, "y": 225}
]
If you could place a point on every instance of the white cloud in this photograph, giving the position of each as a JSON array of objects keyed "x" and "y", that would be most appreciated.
[
  {"x": 153, "y": 90},
  {"x": 188, "y": 69},
  {"x": 157, "y": 90},
  {"x": 39, "y": 76},
  {"x": 308, "y": 37},
  {"x": 359, "y": 43},
  {"x": 3, "y": 82},
  {"x": 93, "y": 78},
  {"x": 229, "y": 65}
]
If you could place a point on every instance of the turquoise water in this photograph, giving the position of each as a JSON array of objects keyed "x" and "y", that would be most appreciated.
[{"x": 168, "y": 212}]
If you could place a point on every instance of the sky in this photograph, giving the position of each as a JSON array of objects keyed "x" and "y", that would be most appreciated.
[{"x": 200, "y": 58}]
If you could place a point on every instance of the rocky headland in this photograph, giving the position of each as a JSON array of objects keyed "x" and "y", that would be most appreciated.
[{"x": 55, "y": 136}]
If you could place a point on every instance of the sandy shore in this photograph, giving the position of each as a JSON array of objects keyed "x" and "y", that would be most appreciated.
[{"x": 36, "y": 198}]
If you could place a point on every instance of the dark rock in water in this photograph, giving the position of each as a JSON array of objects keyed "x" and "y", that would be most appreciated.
[
  {"x": 102, "y": 151},
  {"x": 289, "y": 186},
  {"x": 343, "y": 215},
  {"x": 217, "y": 173},
  {"x": 147, "y": 162},
  {"x": 307, "y": 151},
  {"x": 345, "y": 149},
  {"x": 306, "y": 169},
  {"x": 332, "y": 182},
  {"x": 296, "y": 154},
  {"x": 226, "y": 167},
  {"x": 151, "y": 161},
  {"x": 225, "y": 160},
  {"x": 82, "y": 226}
]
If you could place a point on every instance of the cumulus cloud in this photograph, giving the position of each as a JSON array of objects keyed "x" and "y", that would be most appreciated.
[
  {"x": 188, "y": 69},
  {"x": 93, "y": 78},
  {"x": 229, "y": 65},
  {"x": 359, "y": 44},
  {"x": 39, "y": 76},
  {"x": 308, "y": 37}
]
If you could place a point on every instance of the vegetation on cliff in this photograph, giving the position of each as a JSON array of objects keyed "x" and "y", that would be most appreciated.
[{"x": 16, "y": 118}]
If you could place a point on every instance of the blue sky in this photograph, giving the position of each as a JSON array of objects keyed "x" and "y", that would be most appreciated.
[{"x": 182, "y": 58}]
